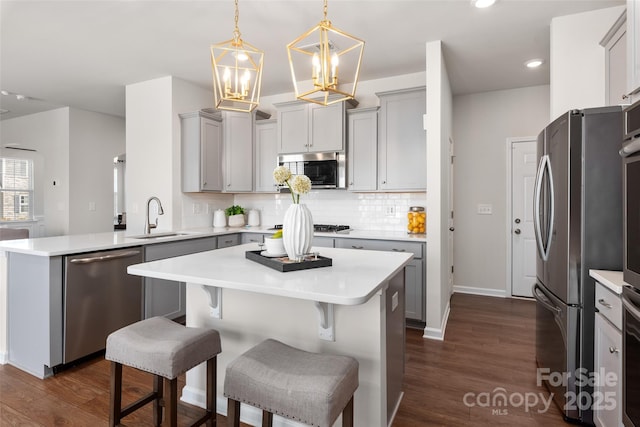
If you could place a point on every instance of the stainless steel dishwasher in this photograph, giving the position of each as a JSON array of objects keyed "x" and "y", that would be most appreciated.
[{"x": 99, "y": 298}]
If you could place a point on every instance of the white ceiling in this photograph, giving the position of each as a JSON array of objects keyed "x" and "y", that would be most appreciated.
[{"x": 83, "y": 53}]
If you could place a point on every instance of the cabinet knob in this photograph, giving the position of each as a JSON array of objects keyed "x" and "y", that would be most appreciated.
[
  {"x": 229, "y": 185},
  {"x": 397, "y": 250},
  {"x": 613, "y": 350},
  {"x": 204, "y": 183},
  {"x": 384, "y": 182},
  {"x": 351, "y": 183},
  {"x": 625, "y": 96},
  {"x": 517, "y": 231},
  {"x": 357, "y": 247}
]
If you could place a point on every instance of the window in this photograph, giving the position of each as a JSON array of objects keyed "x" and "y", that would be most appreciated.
[{"x": 16, "y": 189}]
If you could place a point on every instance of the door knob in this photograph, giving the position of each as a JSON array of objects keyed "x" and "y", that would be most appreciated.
[
  {"x": 451, "y": 229},
  {"x": 517, "y": 221},
  {"x": 517, "y": 231}
]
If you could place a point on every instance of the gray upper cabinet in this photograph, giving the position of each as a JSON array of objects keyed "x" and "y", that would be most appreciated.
[
  {"x": 266, "y": 156},
  {"x": 306, "y": 127},
  {"x": 615, "y": 48},
  {"x": 362, "y": 145},
  {"x": 201, "y": 143},
  {"x": 238, "y": 151},
  {"x": 402, "y": 146}
]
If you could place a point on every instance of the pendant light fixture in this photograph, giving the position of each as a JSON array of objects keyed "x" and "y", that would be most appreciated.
[
  {"x": 325, "y": 63},
  {"x": 237, "y": 72}
]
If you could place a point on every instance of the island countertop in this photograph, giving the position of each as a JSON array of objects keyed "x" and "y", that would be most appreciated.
[{"x": 354, "y": 277}]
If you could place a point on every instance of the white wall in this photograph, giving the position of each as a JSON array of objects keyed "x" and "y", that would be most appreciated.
[
  {"x": 439, "y": 122},
  {"x": 48, "y": 134},
  {"x": 94, "y": 140},
  {"x": 578, "y": 60},
  {"x": 74, "y": 150},
  {"x": 483, "y": 122}
]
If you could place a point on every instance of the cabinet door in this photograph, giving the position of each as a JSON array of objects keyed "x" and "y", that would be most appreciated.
[
  {"x": 238, "y": 151},
  {"x": 266, "y": 155},
  {"x": 322, "y": 242},
  {"x": 616, "y": 68},
  {"x": 608, "y": 362},
  {"x": 327, "y": 127},
  {"x": 165, "y": 297},
  {"x": 293, "y": 128},
  {"x": 402, "y": 145},
  {"x": 414, "y": 288},
  {"x": 211, "y": 155},
  {"x": 363, "y": 144}
]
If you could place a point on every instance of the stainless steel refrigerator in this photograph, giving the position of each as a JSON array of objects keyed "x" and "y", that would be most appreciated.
[{"x": 578, "y": 226}]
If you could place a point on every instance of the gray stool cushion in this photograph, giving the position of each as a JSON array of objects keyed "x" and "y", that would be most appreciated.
[
  {"x": 307, "y": 387},
  {"x": 162, "y": 347}
]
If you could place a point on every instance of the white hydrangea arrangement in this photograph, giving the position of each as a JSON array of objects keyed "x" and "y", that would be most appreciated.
[{"x": 298, "y": 184}]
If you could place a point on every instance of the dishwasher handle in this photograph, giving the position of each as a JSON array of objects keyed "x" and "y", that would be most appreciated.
[{"x": 119, "y": 255}]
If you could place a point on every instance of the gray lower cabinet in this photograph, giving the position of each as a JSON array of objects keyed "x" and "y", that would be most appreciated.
[
  {"x": 254, "y": 237},
  {"x": 415, "y": 284},
  {"x": 322, "y": 242},
  {"x": 165, "y": 297},
  {"x": 228, "y": 240}
]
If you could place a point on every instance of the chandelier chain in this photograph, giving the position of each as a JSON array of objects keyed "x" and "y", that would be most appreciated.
[
  {"x": 236, "y": 31},
  {"x": 325, "y": 10}
]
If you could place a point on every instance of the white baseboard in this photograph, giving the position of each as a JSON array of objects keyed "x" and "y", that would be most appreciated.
[
  {"x": 435, "y": 333},
  {"x": 480, "y": 291},
  {"x": 4, "y": 358},
  {"x": 248, "y": 414}
]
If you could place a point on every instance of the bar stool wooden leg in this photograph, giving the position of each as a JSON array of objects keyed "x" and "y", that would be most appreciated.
[
  {"x": 347, "y": 414},
  {"x": 233, "y": 413},
  {"x": 211, "y": 391},
  {"x": 267, "y": 419},
  {"x": 171, "y": 402},
  {"x": 115, "y": 401},
  {"x": 158, "y": 403}
]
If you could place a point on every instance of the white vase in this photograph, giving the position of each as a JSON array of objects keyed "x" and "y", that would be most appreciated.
[{"x": 297, "y": 231}]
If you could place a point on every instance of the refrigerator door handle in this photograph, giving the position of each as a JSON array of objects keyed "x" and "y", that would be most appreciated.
[
  {"x": 544, "y": 301},
  {"x": 630, "y": 307},
  {"x": 536, "y": 206},
  {"x": 551, "y": 210}
]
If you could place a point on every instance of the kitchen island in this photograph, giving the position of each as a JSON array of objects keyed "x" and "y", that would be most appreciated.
[{"x": 354, "y": 307}]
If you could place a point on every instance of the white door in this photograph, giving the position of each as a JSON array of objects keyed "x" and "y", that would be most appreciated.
[{"x": 523, "y": 243}]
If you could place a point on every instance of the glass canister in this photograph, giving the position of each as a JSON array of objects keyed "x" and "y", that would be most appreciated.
[{"x": 416, "y": 220}]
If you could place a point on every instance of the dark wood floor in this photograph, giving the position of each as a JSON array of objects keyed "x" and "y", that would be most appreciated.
[{"x": 489, "y": 344}]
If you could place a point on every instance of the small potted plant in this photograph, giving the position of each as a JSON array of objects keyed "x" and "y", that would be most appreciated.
[{"x": 236, "y": 215}]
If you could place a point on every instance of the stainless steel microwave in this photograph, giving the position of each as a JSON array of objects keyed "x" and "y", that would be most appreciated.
[{"x": 325, "y": 170}]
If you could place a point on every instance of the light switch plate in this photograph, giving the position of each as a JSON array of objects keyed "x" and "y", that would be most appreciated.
[{"x": 485, "y": 209}]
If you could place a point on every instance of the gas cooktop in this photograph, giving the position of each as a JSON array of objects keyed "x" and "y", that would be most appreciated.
[{"x": 323, "y": 228}]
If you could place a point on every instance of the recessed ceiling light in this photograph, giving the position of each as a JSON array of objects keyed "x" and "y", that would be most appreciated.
[
  {"x": 481, "y": 4},
  {"x": 534, "y": 63},
  {"x": 4, "y": 92},
  {"x": 3, "y": 111}
]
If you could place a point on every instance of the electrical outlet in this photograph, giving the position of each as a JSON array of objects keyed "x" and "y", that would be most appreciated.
[
  {"x": 485, "y": 209},
  {"x": 389, "y": 210},
  {"x": 197, "y": 208},
  {"x": 92, "y": 206}
]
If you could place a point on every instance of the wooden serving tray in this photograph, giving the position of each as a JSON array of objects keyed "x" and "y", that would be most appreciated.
[{"x": 284, "y": 264}]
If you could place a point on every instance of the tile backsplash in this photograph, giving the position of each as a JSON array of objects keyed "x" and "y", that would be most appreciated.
[{"x": 362, "y": 211}]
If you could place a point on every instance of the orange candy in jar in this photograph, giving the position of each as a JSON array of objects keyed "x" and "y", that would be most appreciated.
[{"x": 416, "y": 220}]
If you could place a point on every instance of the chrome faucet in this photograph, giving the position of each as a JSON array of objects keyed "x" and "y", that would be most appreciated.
[{"x": 147, "y": 224}]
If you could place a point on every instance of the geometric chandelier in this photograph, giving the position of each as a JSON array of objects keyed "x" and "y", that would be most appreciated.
[
  {"x": 325, "y": 64},
  {"x": 237, "y": 72}
]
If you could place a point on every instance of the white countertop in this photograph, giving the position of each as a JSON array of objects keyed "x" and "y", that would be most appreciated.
[
  {"x": 354, "y": 277},
  {"x": 611, "y": 279},
  {"x": 80, "y": 243}
]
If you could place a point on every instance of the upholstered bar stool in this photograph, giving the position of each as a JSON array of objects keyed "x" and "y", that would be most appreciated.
[
  {"x": 307, "y": 387},
  {"x": 166, "y": 349}
]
